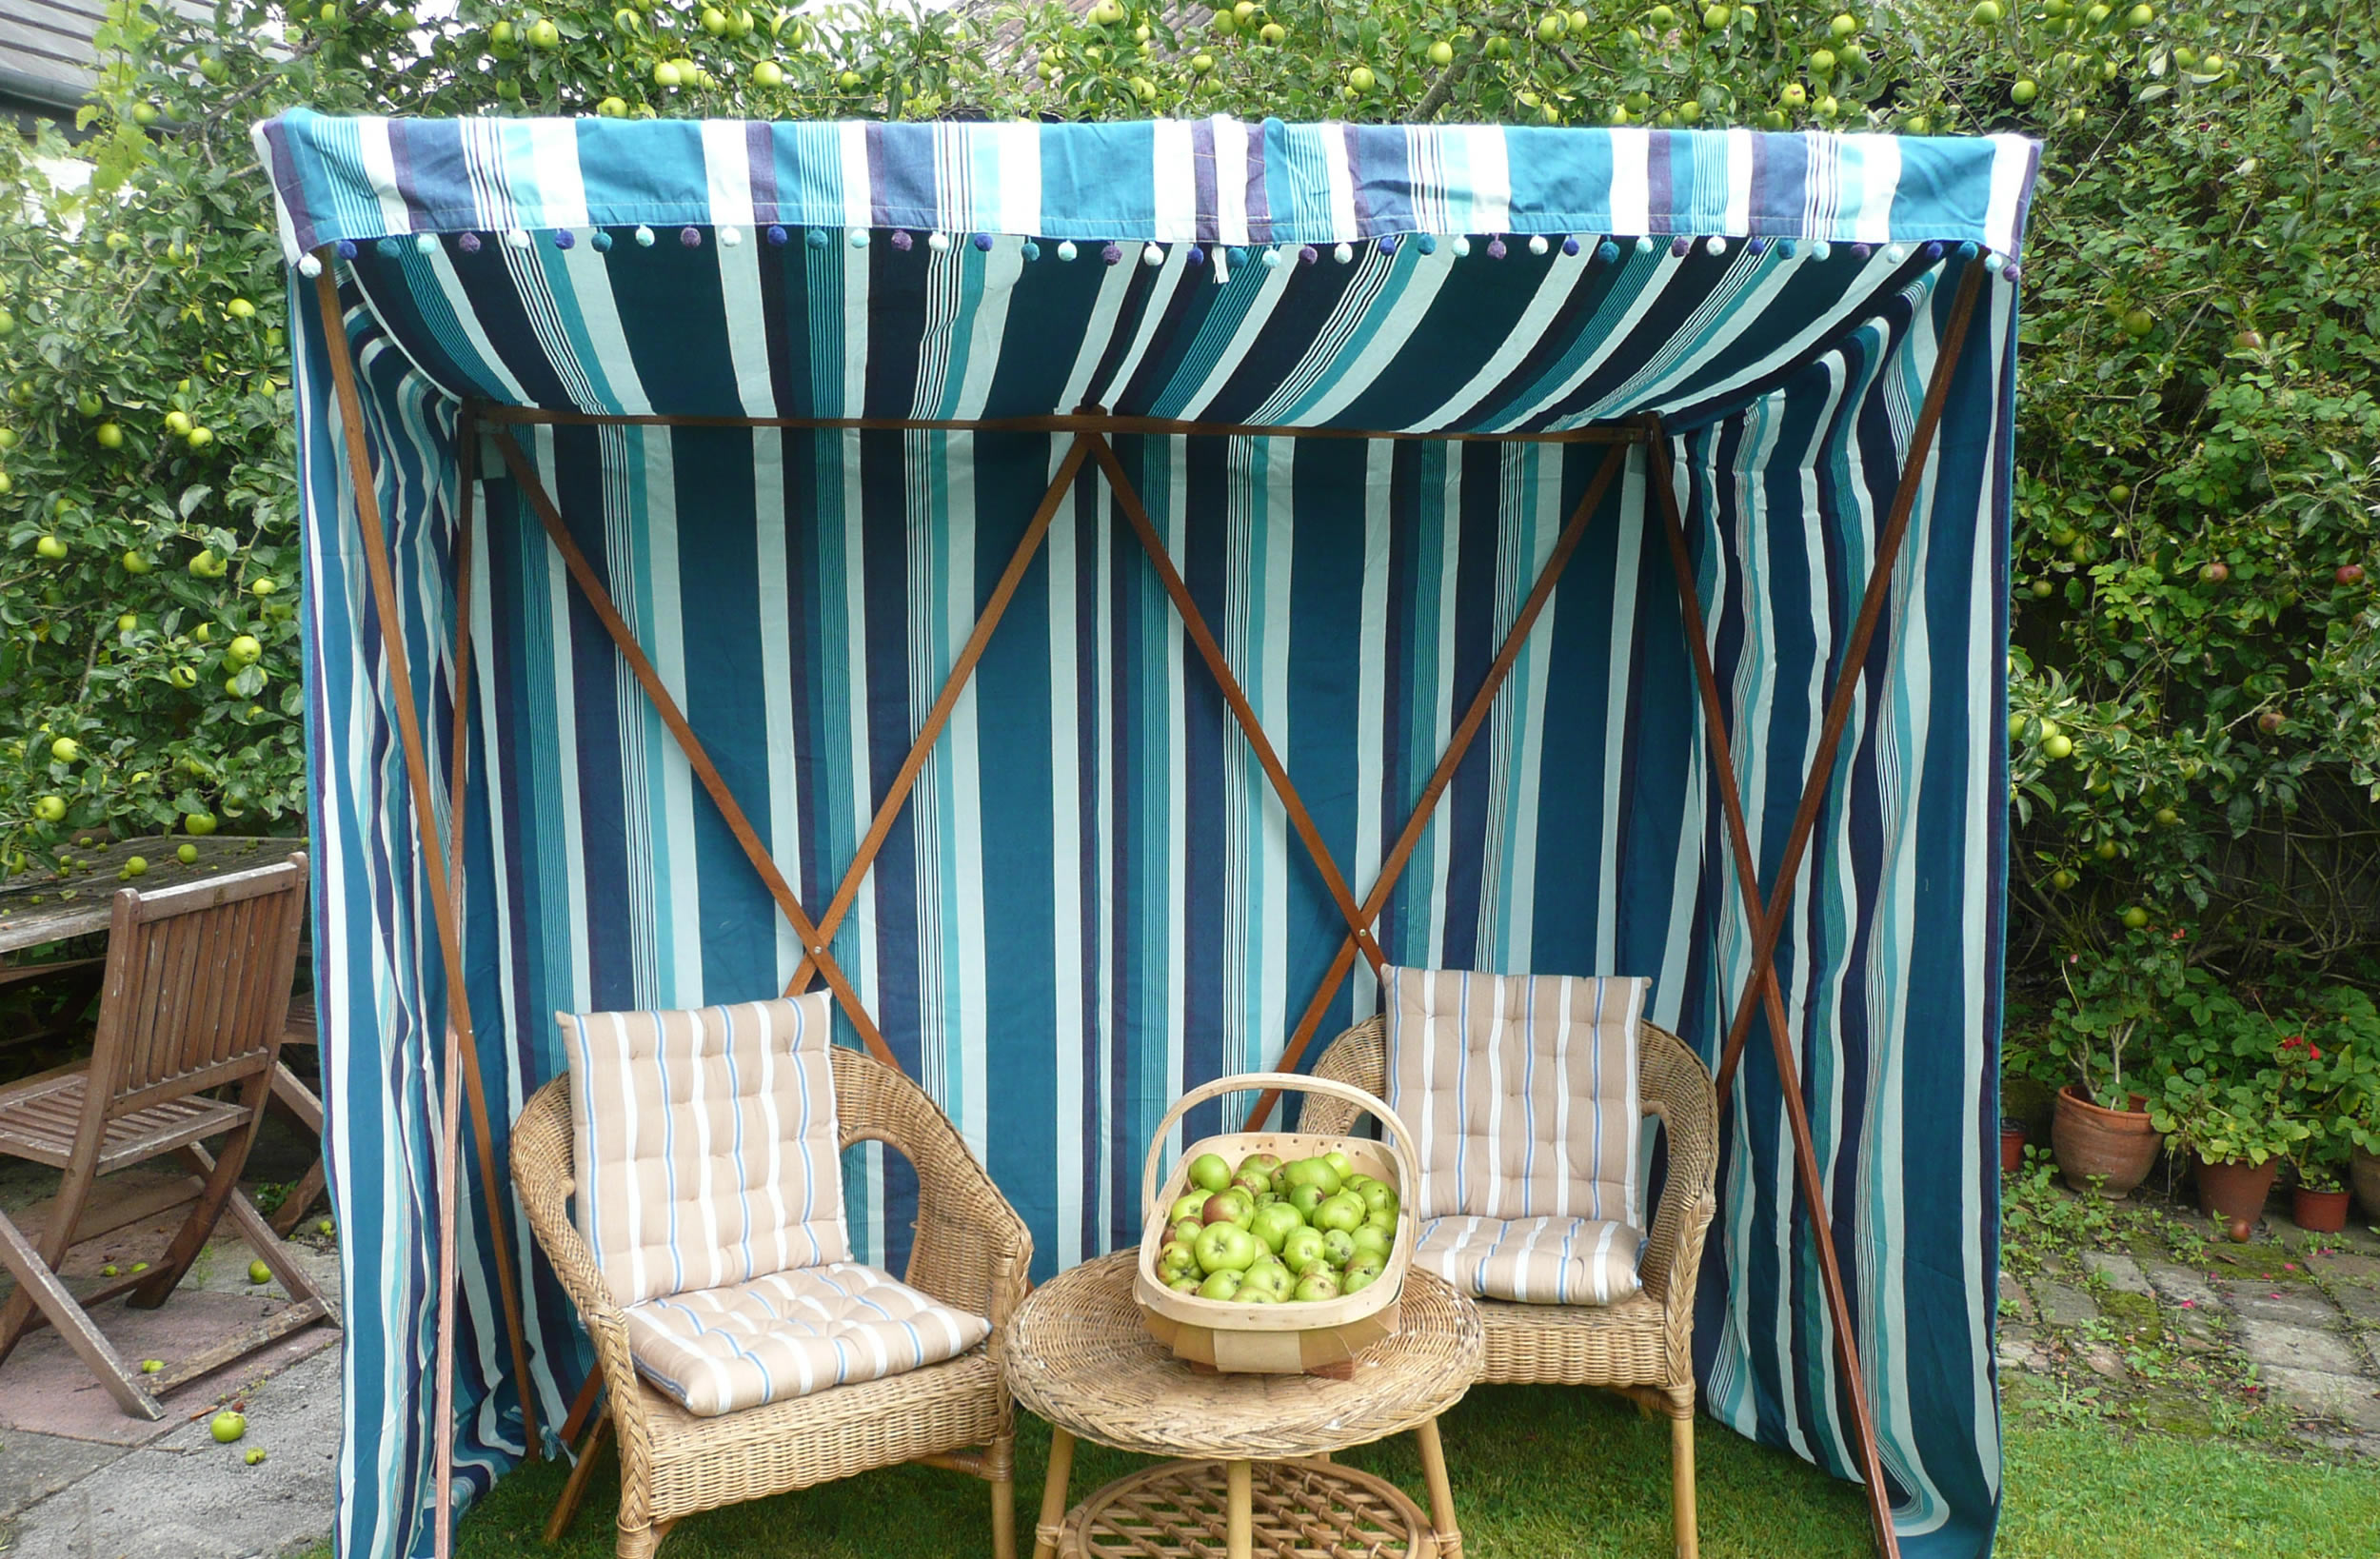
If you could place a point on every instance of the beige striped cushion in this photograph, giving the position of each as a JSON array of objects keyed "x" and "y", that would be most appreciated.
[
  {"x": 705, "y": 1144},
  {"x": 791, "y": 1333},
  {"x": 1520, "y": 1092},
  {"x": 1537, "y": 1261}
]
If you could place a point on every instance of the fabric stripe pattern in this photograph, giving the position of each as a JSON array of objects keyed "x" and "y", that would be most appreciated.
[{"x": 1534, "y": 1261}]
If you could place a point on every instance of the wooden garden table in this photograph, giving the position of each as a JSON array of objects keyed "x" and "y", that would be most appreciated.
[
  {"x": 37, "y": 907},
  {"x": 1257, "y": 1469}
]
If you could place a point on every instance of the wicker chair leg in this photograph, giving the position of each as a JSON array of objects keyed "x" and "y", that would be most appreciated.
[
  {"x": 1681, "y": 1452},
  {"x": 643, "y": 1541},
  {"x": 1004, "y": 1516}
]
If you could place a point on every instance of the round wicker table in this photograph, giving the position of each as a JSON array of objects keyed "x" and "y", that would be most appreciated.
[{"x": 1077, "y": 1355}]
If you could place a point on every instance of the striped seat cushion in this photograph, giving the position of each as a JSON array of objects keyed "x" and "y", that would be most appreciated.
[
  {"x": 1537, "y": 1261},
  {"x": 1521, "y": 1092},
  {"x": 790, "y": 1334},
  {"x": 705, "y": 1144}
]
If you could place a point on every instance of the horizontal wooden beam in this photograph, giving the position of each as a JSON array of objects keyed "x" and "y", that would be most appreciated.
[{"x": 1071, "y": 423}]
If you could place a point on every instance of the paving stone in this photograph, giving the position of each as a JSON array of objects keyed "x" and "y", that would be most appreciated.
[
  {"x": 2350, "y": 1399},
  {"x": 2346, "y": 1266},
  {"x": 2298, "y": 1347},
  {"x": 2013, "y": 1299},
  {"x": 2018, "y": 1349},
  {"x": 2295, "y": 1304},
  {"x": 2064, "y": 1306},
  {"x": 2105, "y": 1363},
  {"x": 2177, "y": 1284},
  {"x": 2120, "y": 1273},
  {"x": 2359, "y": 1301},
  {"x": 35, "y": 1466}
]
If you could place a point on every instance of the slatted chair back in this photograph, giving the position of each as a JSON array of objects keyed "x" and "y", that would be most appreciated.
[{"x": 197, "y": 987}]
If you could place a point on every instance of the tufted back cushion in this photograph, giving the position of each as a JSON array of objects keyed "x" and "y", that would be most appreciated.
[
  {"x": 1521, "y": 1092},
  {"x": 705, "y": 1144}
]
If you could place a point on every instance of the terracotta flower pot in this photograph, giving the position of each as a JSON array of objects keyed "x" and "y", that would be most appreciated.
[
  {"x": 2362, "y": 1173},
  {"x": 2235, "y": 1193},
  {"x": 2011, "y": 1146},
  {"x": 2318, "y": 1212},
  {"x": 2089, "y": 1142}
]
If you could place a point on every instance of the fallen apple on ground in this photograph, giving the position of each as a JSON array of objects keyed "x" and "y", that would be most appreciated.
[{"x": 1317, "y": 1230}]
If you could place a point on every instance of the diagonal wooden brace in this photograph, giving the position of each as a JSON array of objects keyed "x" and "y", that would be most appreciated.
[
  {"x": 1768, "y": 927},
  {"x": 1137, "y": 515},
  {"x": 706, "y": 771},
  {"x": 1456, "y": 746},
  {"x": 962, "y": 670},
  {"x": 1807, "y": 1181}
]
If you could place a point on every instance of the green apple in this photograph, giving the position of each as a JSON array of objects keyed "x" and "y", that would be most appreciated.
[
  {"x": 1176, "y": 1260},
  {"x": 150, "y": 1367},
  {"x": 1231, "y": 1205},
  {"x": 1340, "y": 1163},
  {"x": 255, "y": 1455},
  {"x": 1271, "y": 1276},
  {"x": 1209, "y": 1172},
  {"x": 1226, "y": 1247},
  {"x": 1355, "y": 1281},
  {"x": 1339, "y": 1247},
  {"x": 1377, "y": 1198},
  {"x": 1300, "y": 1249},
  {"x": 66, "y": 749},
  {"x": 1259, "y": 1163},
  {"x": 1224, "y": 1283},
  {"x": 1341, "y": 1212},
  {"x": 1320, "y": 1172},
  {"x": 1315, "y": 1286},
  {"x": 228, "y": 1427},
  {"x": 1188, "y": 1205},
  {"x": 1255, "y": 1293},
  {"x": 51, "y": 547},
  {"x": 50, "y": 808},
  {"x": 138, "y": 867},
  {"x": 1275, "y": 1224},
  {"x": 1185, "y": 1284},
  {"x": 1305, "y": 1200},
  {"x": 199, "y": 824},
  {"x": 1383, "y": 1221},
  {"x": 259, "y": 1272},
  {"x": 1185, "y": 1230},
  {"x": 1254, "y": 1184}
]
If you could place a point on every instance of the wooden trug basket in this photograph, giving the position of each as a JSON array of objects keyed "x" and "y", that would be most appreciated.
[{"x": 1318, "y": 1338}]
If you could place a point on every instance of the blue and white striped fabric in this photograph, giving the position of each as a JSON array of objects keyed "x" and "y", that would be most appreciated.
[
  {"x": 1092, "y": 901},
  {"x": 1534, "y": 1261}
]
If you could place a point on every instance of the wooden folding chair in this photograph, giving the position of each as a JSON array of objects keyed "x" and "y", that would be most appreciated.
[
  {"x": 290, "y": 1091},
  {"x": 192, "y": 1005}
]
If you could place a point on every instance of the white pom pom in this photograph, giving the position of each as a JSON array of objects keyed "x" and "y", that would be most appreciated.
[
  {"x": 730, "y": 237},
  {"x": 1992, "y": 262},
  {"x": 859, "y": 237},
  {"x": 1461, "y": 246},
  {"x": 1067, "y": 249},
  {"x": 1644, "y": 244},
  {"x": 308, "y": 266},
  {"x": 1273, "y": 258},
  {"x": 1896, "y": 253},
  {"x": 1537, "y": 244},
  {"x": 1821, "y": 250},
  {"x": 1152, "y": 255},
  {"x": 938, "y": 241},
  {"x": 425, "y": 244},
  {"x": 1714, "y": 245},
  {"x": 518, "y": 238},
  {"x": 1343, "y": 253}
]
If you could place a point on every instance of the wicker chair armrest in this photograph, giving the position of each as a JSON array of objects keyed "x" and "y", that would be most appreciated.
[
  {"x": 1358, "y": 1058},
  {"x": 972, "y": 1250},
  {"x": 1677, "y": 1089},
  {"x": 542, "y": 1176}
]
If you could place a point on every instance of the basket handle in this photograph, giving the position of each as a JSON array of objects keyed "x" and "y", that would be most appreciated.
[{"x": 1294, "y": 1082}]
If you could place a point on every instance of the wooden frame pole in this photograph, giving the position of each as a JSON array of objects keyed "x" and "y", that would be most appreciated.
[
  {"x": 1456, "y": 746},
  {"x": 962, "y": 671},
  {"x": 1137, "y": 515},
  {"x": 698, "y": 759},
  {"x": 382, "y": 583},
  {"x": 1807, "y": 1180},
  {"x": 1769, "y": 926}
]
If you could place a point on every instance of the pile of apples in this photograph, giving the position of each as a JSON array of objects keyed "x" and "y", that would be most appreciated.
[{"x": 1271, "y": 1232}]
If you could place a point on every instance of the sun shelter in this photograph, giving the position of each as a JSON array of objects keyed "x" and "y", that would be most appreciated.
[{"x": 1087, "y": 594}]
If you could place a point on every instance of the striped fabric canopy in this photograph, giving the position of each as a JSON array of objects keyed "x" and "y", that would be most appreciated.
[{"x": 1092, "y": 899}]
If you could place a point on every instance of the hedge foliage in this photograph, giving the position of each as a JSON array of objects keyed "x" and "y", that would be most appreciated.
[{"x": 2197, "y": 711}]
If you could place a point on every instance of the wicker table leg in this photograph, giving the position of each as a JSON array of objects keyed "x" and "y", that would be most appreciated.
[
  {"x": 1441, "y": 1495},
  {"x": 1240, "y": 1517},
  {"x": 1054, "y": 1493}
]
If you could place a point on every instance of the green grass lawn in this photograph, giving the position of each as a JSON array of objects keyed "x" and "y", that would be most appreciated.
[{"x": 1543, "y": 1471}]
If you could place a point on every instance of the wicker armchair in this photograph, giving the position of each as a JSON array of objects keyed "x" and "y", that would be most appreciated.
[
  {"x": 1642, "y": 1347},
  {"x": 971, "y": 1251}
]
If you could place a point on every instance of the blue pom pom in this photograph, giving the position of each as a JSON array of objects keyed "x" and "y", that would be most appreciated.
[
  {"x": 1934, "y": 251},
  {"x": 1756, "y": 248},
  {"x": 690, "y": 237},
  {"x": 1031, "y": 251},
  {"x": 469, "y": 243},
  {"x": 1426, "y": 244},
  {"x": 902, "y": 240},
  {"x": 563, "y": 238},
  {"x": 1785, "y": 248},
  {"x": 815, "y": 238},
  {"x": 984, "y": 241},
  {"x": 389, "y": 248},
  {"x": 345, "y": 249},
  {"x": 1388, "y": 244},
  {"x": 602, "y": 241},
  {"x": 1496, "y": 249},
  {"x": 776, "y": 236},
  {"x": 1239, "y": 254},
  {"x": 1607, "y": 252},
  {"x": 1194, "y": 256},
  {"x": 1112, "y": 253},
  {"x": 1570, "y": 243}
]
